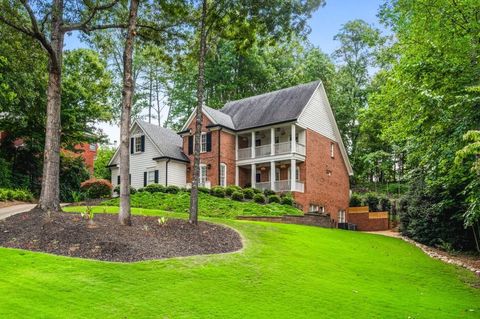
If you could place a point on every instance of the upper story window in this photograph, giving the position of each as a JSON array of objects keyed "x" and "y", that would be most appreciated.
[
  {"x": 203, "y": 142},
  {"x": 332, "y": 149},
  {"x": 138, "y": 144}
]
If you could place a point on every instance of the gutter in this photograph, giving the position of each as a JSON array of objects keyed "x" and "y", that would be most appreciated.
[
  {"x": 219, "y": 143},
  {"x": 170, "y": 158},
  {"x": 166, "y": 171}
]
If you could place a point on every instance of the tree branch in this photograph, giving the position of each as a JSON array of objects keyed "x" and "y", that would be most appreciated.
[{"x": 93, "y": 11}]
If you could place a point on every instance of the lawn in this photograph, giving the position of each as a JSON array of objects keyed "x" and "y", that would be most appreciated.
[
  {"x": 209, "y": 206},
  {"x": 284, "y": 271}
]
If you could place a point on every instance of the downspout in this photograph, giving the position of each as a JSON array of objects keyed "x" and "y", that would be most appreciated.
[
  {"x": 166, "y": 172},
  {"x": 218, "y": 165}
]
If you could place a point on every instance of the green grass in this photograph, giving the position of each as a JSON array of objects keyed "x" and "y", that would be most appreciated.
[
  {"x": 284, "y": 271},
  {"x": 209, "y": 206}
]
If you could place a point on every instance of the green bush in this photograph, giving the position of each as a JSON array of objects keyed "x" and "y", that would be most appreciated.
[
  {"x": 385, "y": 204},
  {"x": 257, "y": 191},
  {"x": 5, "y": 173},
  {"x": 248, "y": 193},
  {"x": 355, "y": 200},
  {"x": 116, "y": 190},
  {"x": 273, "y": 199},
  {"x": 172, "y": 189},
  {"x": 205, "y": 190},
  {"x": 268, "y": 192},
  {"x": 259, "y": 198},
  {"x": 218, "y": 191},
  {"x": 19, "y": 194},
  {"x": 287, "y": 200},
  {"x": 237, "y": 195},
  {"x": 154, "y": 188},
  {"x": 229, "y": 190},
  {"x": 72, "y": 173},
  {"x": 96, "y": 188},
  {"x": 371, "y": 200}
]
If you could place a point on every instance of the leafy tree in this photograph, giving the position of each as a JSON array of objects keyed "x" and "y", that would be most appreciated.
[{"x": 104, "y": 155}]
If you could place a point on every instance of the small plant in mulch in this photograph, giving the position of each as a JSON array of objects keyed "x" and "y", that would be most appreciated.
[
  {"x": 89, "y": 215},
  {"x": 162, "y": 221}
]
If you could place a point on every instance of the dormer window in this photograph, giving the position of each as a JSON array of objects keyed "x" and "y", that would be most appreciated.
[{"x": 137, "y": 144}]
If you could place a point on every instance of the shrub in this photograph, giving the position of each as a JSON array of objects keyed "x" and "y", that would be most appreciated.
[
  {"x": 287, "y": 200},
  {"x": 96, "y": 188},
  {"x": 72, "y": 173},
  {"x": 116, "y": 190},
  {"x": 5, "y": 173},
  {"x": 237, "y": 195},
  {"x": 229, "y": 190},
  {"x": 172, "y": 189},
  {"x": 273, "y": 199},
  {"x": 19, "y": 194},
  {"x": 248, "y": 193},
  {"x": 371, "y": 200},
  {"x": 385, "y": 204},
  {"x": 269, "y": 192},
  {"x": 257, "y": 191},
  {"x": 355, "y": 200},
  {"x": 259, "y": 198},
  {"x": 205, "y": 190},
  {"x": 154, "y": 188},
  {"x": 218, "y": 191}
]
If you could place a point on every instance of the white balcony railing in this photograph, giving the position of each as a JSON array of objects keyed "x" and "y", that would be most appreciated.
[
  {"x": 282, "y": 186},
  {"x": 300, "y": 187},
  {"x": 262, "y": 151},
  {"x": 262, "y": 186},
  {"x": 244, "y": 153},
  {"x": 300, "y": 149},
  {"x": 283, "y": 148}
]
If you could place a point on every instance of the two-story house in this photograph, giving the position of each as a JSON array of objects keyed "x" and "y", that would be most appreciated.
[{"x": 286, "y": 141}]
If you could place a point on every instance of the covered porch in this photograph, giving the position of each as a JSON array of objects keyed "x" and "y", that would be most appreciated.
[{"x": 279, "y": 176}]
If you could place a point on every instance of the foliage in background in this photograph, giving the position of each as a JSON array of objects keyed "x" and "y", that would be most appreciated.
[
  {"x": 72, "y": 173},
  {"x": 96, "y": 188},
  {"x": 100, "y": 169}
]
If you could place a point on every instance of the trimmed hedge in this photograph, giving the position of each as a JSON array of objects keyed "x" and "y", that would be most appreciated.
[
  {"x": 154, "y": 188},
  {"x": 172, "y": 189},
  {"x": 116, "y": 190},
  {"x": 96, "y": 188},
  {"x": 259, "y": 198},
  {"x": 218, "y": 191},
  {"x": 248, "y": 193},
  {"x": 15, "y": 194},
  {"x": 229, "y": 190},
  {"x": 287, "y": 200},
  {"x": 237, "y": 195},
  {"x": 273, "y": 199},
  {"x": 205, "y": 190},
  {"x": 269, "y": 192}
]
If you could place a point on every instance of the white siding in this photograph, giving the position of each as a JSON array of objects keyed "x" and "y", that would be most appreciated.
[
  {"x": 316, "y": 117},
  {"x": 177, "y": 173}
]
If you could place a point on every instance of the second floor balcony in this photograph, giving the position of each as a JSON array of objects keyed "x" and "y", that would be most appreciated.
[{"x": 270, "y": 142}]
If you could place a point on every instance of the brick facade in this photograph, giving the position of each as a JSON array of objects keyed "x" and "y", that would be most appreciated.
[{"x": 327, "y": 182}]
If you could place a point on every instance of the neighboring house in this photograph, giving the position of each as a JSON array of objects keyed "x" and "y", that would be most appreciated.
[
  {"x": 155, "y": 157},
  {"x": 286, "y": 141}
]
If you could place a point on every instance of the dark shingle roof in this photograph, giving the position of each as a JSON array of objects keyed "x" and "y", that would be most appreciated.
[
  {"x": 269, "y": 108},
  {"x": 168, "y": 142},
  {"x": 219, "y": 117}
]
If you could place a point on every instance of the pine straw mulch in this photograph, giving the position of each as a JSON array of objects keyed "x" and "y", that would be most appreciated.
[{"x": 69, "y": 234}]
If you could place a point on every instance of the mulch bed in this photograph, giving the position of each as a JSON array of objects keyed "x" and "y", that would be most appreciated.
[{"x": 68, "y": 234}]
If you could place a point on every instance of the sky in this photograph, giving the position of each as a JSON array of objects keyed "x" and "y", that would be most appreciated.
[{"x": 324, "y": 24}]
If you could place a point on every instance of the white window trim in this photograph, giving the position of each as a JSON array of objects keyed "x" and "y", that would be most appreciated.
[
  {"x": 152, "y": 181},
  {"x": 341, "y": 216},
  {"x": 223, "y": 179},
  {"x": 202, "y": 149},
  {"x": 135, "y": 138},
  {"x": 332, "y": 150},
  {"x": 202, "y": 178},
  {"x": 297, "y": 174}
]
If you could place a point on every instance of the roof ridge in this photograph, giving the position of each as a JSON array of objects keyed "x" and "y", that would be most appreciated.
[{"x": 271, "y": 92}]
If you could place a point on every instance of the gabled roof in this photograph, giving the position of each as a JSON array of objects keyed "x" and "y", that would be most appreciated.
[
  {"x": 269, "y": 108},
  {"x": 167, "y": 143},
  {"x": 219, "y": 118}
]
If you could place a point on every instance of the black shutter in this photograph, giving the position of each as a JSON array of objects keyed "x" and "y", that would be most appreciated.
[
  {"x": 132, "y": 145},
  {"x": 190, "y": 145},
  {"x": 144, "y": 179},
  {"x": 118, "y": 179},
  {"x": 156, "y": 176},
  {"x": 143, "y": 143},
  {"x": 129, "y": 179},
  {"x": 209, "y": 141}
]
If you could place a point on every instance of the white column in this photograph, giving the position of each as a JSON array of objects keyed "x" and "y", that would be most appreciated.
[
  {"x": 293, "y": 172},
  {"x": 272, "y": 175},
  {"x": 236, "y": 147},
  {"x": 253, "y": 144},
  {"x": 272, "y": 141},
  {"x": 254, "y": 175},
  {"x": 237, "y": 175},
  {"x": 294, "y": 143}
]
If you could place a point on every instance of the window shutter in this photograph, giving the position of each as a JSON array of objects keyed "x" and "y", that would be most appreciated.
[
  {"x": 190, "y": 145},
  {"x": 132, "y": 145},
  {"x": 209, "y": 141},
  {"x": 156, "y": 176},
  {"x": 118, "y": 180},
  {"x": 144, "y": 179},
  {"x": 143, "y": 143},
  {"x": 129, "y": 179}
]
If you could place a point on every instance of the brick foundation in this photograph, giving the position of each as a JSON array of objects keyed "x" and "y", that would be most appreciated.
[{"x": 320, "y": 220}]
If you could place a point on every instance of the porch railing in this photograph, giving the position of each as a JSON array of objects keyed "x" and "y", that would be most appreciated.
[
  {"x": 244, "y": 153},
  {"x": 283, "y": 148},
  {"x": 262, "y": 151}
]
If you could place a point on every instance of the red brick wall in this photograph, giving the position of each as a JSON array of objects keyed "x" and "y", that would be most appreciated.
[
  {"x": 330, "y": 191},
  {"x": 227, "y": 154},
  {"x": 364, "y": 223}
]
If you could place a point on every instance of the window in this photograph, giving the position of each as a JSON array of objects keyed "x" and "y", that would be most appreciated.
[
  {"x": 258, "y": 142},
  {"x": 203, "y": 174},
  {"x": 203, "y": 142},
  {"x": 150, "y": 177},
  {"x": 93, "y": 147},
  {"x": 297, "y": 173},
  {"x": 223, "y": 175},
  {"x": 316, "y": 208},
  {"x": 138, "y": 144},
  {"x": 341, "y": 216},
  {"x": 277, "y": 174},
  {"x": 332, "y": 148},
  {"x": 277, "y": 139},
  {"x": 258, "y": 176}
]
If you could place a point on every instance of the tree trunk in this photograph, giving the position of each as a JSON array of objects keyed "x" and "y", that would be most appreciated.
[
  {"x": 127, "y": 95},
  {"x": 198, "y": 118},
  {"x": 50, "y": 194}
]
